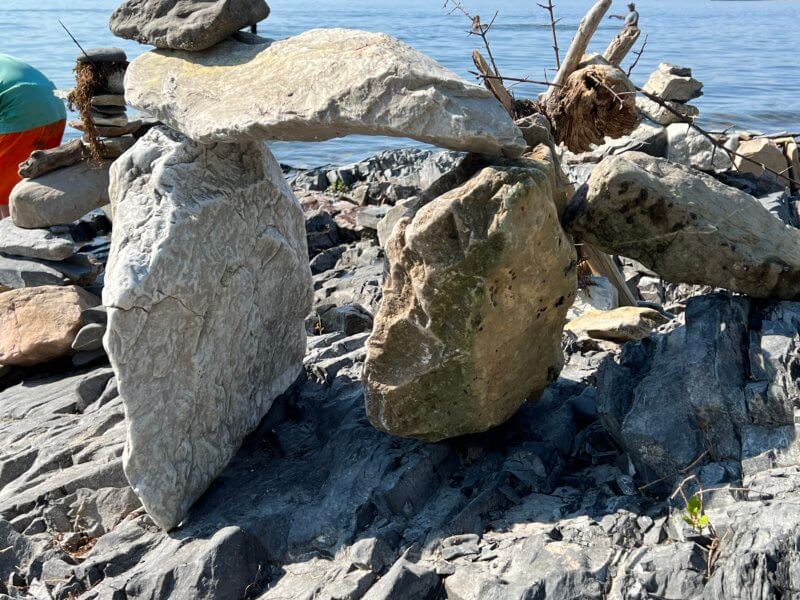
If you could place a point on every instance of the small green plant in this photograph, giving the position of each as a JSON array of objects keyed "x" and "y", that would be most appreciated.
[
  {"x": 694, "y": 516},
  {"x": 337, "y": 187}
]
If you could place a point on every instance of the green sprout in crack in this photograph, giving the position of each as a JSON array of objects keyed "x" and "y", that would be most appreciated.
[
  {"x": 338, "y": 187},
  {"x": 694, "y": 516}
]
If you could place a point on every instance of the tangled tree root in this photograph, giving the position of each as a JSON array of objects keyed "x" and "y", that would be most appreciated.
[
  {"x": 595, "y": 102},
  {"x": 91, "y": 79}
]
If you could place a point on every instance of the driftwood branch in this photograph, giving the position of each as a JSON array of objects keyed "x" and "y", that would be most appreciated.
[
  {"x": 553, "y": 21},
  {"x": 45, "y": 161},
  {"x": 493, "y": 82},
  {"x": 580, "y": 42},
  {"x": 620, "y": 46},
  {"x": 715, "y": 142},
  {"x": 602, "y": 264},
  {"x": 638, "y": 54}
]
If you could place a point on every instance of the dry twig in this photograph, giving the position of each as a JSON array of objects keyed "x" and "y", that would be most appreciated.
[
  {"x": 478, "y": 29},
  {"x": 638, "y": 54},
  {"x": 553, "y": 21}
]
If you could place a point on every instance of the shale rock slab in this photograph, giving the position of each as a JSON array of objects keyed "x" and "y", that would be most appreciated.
[
  {"x": 722, "y": 387},
  {"x": 184, "y": 24},
  {"x": 687, "y": 227},
  {"x": 322, "y": 84},
  {"x": 59, "y": 197},
  {"x": 40, "y": 323},
  {"x": 477, "y": 290},
  {"x": 34, "y": 243},
  {"x": 207, "y": 286}
]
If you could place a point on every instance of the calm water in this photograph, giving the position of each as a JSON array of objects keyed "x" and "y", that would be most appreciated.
[{"x": 746, "y": 53}]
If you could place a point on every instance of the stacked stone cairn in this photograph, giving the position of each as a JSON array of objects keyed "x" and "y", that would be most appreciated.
[
  {"x": 54, "y": 247},
  {"x": 217, "y": 273},
  {"x": 208, "y": 287}
]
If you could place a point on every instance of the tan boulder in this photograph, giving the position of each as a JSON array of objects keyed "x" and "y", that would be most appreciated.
[
  {"x": 687, "y": 227},
  {"x": 792, "y": 151},
  {"x": 624, "y": 324},
  {"x": 761, "y": 153},
  {"x": 478, "y": 287},
  {"x": 40, "y": 323}
]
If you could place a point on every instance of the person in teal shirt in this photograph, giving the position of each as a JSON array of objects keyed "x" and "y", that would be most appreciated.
[{"x": 31, "y": 118}]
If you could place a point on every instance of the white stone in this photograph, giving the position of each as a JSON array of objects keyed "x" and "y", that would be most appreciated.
[
  {"x": 687, "y": 146},
  {"x": 207, "y": 287},
  {"x": 322, "y": 84},
  {"x": 663, "y": 116}
]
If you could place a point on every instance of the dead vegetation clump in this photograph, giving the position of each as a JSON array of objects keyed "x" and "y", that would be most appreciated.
[
  {"x": 91, "y": 79},
  {"x": 595, "y": 102}
]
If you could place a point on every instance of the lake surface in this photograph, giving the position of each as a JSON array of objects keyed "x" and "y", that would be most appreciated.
[{"x": 746, "y": 53}]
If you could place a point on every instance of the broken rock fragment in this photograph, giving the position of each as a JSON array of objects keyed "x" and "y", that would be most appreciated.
[
  {"x": 322, "y": 84},
  {"x": 687, "y": 227},
  {"x": 476, "y": 295},
  {"x": 206, "y": 288}
]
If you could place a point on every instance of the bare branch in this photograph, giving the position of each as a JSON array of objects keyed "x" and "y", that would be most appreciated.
[
  {"x": 715, "y": 142},
  {"x": 549, "y": 8},
  {"x": 638, "y": 56},
  {"x": 516, "y": 79}
]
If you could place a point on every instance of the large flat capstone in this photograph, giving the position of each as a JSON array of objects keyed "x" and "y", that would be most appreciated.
[
  {"x": 322, "y": 84},
  {"x": 207, "y": 287},
  {"x": 477, "y": 292},
  {"x": 687, "y": 227}
]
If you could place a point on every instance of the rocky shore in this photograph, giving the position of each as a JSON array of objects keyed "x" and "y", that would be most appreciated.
[
  {"x": 223, "y": 377},
  {"x": 567, "y": 499}
]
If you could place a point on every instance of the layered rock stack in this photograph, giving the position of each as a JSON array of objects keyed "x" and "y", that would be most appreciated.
[
  {"x": 676, "y": 87},
  {"x": 157, "y": 291},
  {"x": 54, "y": 246},
  {"x": 63, "y": 184}
]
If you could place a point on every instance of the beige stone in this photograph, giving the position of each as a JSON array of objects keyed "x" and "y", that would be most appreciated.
[
  {"x": 687, "y": 227},
  {"x": 792, "y": 152},
  {"x": 625, "y": 324},
  {"x": 61, "y": 196},
  {"x": 478, "y": 287},
  {"x": 38, "y": 324},
  {"x": 762, "y": 152},
  {"x": 322, "y": 84}
]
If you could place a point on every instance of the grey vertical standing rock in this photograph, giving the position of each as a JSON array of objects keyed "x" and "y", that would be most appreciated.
[{"x": 206, "y": 288}]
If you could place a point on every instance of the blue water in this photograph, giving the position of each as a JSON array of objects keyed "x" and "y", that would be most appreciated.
[{"x": 746, "y": 53}]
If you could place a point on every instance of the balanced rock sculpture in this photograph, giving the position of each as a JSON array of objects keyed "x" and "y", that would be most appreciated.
[
  {"x": 477, "y": 291},
  {"x": 687, "y": 227},
  {"x": 321, "y": 84},
  {"x": 207, "y": 287}
]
